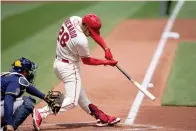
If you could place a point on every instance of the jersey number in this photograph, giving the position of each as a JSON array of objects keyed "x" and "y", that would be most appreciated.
[{"x": 64, "y": 37}]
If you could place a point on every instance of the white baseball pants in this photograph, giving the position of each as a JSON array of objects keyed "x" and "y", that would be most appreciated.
[{"x": 75, "y": 94}]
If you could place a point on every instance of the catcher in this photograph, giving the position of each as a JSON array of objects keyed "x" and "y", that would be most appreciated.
[
  {"x": 71, "y": 48},
  {"x": 15, "y": 107}
]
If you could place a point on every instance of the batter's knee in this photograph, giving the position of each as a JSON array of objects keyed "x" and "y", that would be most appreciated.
[
  {"x": 75, "y": 104},
  {"x": 69, "y": 103}
]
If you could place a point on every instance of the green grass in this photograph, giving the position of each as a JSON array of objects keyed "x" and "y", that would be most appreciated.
[
  {"x": 150, "y": 10},
  {"x": 10, "y": 9},
  {"x": 22, "y": 26},
  {"x": 181, "y": 85},
  {"x": 188, "y": 10}
]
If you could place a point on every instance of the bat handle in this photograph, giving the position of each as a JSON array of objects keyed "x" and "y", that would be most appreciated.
[{"x": 121, "y": 70}]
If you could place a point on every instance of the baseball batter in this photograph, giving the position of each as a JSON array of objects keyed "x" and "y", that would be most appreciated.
[{"x": 71, "y": 48}]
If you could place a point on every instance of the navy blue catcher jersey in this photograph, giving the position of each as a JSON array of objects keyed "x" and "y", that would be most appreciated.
[{"x": 12, "y": 83}]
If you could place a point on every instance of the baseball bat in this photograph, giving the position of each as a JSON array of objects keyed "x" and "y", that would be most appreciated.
[{"x": 144, "y": 91}]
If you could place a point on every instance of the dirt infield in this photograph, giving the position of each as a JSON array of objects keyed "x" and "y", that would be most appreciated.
[{"x": 133, "y": 43}]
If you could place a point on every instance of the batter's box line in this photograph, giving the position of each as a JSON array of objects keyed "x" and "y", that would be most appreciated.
[{"x": 92, "y": 123}]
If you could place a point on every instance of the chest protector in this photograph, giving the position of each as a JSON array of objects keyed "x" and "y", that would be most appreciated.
[{"x": 22, "y": 80}]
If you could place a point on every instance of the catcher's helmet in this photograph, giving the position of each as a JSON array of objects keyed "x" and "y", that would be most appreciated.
[
  {"x": 93, "y": 23},
  {"x": 23, "y": 64}
]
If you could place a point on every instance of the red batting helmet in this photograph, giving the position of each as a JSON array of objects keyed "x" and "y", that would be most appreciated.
[{"x": 93, "y": 23}]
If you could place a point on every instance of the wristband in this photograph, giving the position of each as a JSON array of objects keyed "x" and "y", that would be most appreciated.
[{"x": 106, "y": 49}]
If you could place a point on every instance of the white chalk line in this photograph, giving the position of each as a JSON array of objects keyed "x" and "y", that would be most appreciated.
[
  {"x": 69, "y": 123},
  {"x": 132, "y": 127},
  {"x": 139, "y": 98}
]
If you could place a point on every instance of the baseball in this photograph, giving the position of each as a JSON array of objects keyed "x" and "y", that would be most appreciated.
[{"x": 150, "y": 85}]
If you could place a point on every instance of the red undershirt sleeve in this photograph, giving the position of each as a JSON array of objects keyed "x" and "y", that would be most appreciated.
[
  {"x": 99, "y": 40},
  {"x": 92, "y": 61}
]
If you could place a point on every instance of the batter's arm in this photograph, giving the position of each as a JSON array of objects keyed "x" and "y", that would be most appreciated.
[
  {"x": 98, "y": 39},
  {"x": 95, "y": 61}
]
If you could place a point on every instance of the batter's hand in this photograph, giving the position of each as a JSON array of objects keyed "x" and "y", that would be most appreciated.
[
  {"x": 110, "y": 62},
  {"x": 108, "y": 54}
]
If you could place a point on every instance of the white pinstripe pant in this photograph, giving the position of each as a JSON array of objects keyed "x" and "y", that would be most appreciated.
[{"x": 74, "y": 92}]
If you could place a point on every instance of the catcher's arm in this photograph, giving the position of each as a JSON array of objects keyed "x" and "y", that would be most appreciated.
[
  {"x": 31, "y": 89},
  {"x": 54, "y": 99}
]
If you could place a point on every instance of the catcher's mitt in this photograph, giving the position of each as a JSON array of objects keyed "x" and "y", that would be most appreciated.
[{"x": 54, "y": 100}]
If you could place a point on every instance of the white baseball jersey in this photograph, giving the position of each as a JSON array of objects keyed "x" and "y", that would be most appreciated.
[
  {"x": 71, "y": 45},
  {"x": 72, "y": 42}
]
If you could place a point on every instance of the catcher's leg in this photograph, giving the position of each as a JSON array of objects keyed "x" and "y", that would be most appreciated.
[
  {"x": 100, "y": 116},
  {"x": 22, "y": 109},
  {"x": 17, "y": 103},
  {"x": 22, "y": 112}
]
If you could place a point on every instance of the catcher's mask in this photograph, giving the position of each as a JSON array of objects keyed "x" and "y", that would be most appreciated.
[{"x": 25, "y": 65}]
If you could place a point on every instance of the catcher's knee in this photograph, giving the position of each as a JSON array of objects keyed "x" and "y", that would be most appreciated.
[
  {"x": 23, "y": 111},
  {"x": 29, "y": 103}
]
